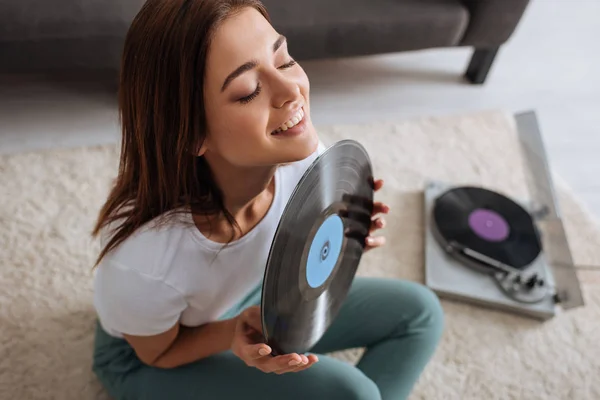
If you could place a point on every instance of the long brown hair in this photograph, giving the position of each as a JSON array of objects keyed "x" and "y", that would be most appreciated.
[{"x": 162, "y": 115}]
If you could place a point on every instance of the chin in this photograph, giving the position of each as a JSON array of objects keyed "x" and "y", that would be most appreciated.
[{"x": 298, "y": 150}]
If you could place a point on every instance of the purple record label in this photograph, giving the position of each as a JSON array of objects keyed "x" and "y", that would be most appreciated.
[{"x": 488, "y": 225}]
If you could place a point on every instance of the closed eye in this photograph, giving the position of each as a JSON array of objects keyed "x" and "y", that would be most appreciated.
[
  {"x": 251, "y": 96},
  {"x": 256, "y": 92},
  {"x": 288, "y": 65}
]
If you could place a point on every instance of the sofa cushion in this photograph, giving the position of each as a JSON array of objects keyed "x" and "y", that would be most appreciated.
[
  {"x": 88, "y": 34},
  {"x": 334, "y": 28},
  {"x": 44, "y": 35}
]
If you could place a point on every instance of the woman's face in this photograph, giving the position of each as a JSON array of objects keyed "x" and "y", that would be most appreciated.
[{"x": 252, "y": 89}]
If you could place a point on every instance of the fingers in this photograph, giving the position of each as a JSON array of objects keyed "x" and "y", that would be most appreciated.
[
  {"x": 248, "y": 341},
  {"x": 257, "y": 351},
  {"x": 286, "y": 363},
  {"x": 307, "y": 362},
  {"x": 380, "y": 208},
  {"x": 377, "y": 223},
  {"x": 378, "y": 184},
  {"x": 374, "y": 241},
  {"x": 303, "y": 365},
  {"x": 292, "y": 365},
  {"x": 252, "y": 317},
  {"x": 371, "y": 241},
  {"x": 311, "y": 360},
  {"x": 278, "y": 364}
]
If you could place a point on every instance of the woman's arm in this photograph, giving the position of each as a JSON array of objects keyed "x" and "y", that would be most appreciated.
[
  {"x": 148, "y": 310},
  {"x": 182, "y": 345}
]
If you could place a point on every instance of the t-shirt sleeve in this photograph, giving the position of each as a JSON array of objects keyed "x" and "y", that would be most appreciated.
[{"x": 133, "y": 303}]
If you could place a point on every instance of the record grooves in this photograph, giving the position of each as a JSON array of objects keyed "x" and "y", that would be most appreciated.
[{"x": 317, "y": 248}]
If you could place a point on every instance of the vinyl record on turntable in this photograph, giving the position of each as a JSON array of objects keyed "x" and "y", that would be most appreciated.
[
  {"x": 317, "y": 248},
  {"x": 488, "y": 223}
]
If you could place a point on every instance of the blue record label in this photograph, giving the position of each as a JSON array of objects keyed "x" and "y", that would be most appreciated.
[{"x": 324, "y": 251}]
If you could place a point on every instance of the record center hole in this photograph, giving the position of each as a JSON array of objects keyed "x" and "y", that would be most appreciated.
[{"x": 325, "y": 251}]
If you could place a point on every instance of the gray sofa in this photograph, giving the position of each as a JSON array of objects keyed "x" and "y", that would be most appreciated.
[{"x": 87, "y": 35}]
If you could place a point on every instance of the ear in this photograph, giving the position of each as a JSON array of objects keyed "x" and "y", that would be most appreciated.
[{"x": 202, "y": 147}]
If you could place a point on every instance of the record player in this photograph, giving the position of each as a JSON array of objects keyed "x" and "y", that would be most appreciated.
[
  {"x": 488, "y": 249},
  {"x": 486, "y": 259}
]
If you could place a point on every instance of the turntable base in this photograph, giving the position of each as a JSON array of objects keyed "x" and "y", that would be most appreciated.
[{"x": 455, "y": 279}]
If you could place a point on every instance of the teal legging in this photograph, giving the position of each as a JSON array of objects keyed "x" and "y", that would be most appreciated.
[{"x": 399, "y": 323}]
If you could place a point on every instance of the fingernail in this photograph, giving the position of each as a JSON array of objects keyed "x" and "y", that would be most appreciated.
[
  {"x": 369, "y": 240},
  {"x": 263, "y": 352},
  {"x": 294, "y": 362}
]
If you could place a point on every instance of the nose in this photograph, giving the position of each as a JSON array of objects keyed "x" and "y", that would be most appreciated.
[{"x": 286, "y": 92}]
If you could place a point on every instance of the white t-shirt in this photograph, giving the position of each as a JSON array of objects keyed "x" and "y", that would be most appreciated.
[{"x": 161, "y": 275}]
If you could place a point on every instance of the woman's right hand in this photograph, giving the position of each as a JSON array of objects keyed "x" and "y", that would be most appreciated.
[{"x": 247, "y": 345}]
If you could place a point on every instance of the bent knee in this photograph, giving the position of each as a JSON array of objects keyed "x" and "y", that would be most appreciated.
[
  {"x": 357, "y": 387},
  {"x": 334, "y": 379},
  {"x": 428, "y": 314}
]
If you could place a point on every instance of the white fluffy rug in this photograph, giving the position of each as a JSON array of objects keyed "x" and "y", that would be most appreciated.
[{"x": 50, "y": 199}]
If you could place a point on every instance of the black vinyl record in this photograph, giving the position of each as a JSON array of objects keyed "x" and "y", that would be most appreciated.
[
  {"x": 317, "y": 248},
  {"x": 488, "y": 223}
]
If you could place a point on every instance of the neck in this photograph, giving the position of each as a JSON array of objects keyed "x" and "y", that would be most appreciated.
[{"x": 242, "y": 188}]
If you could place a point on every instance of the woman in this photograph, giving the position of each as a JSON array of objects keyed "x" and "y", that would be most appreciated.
[{"x": 216, "y": 134}]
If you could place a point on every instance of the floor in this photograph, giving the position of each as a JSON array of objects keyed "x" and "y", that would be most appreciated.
[{"x": 548, "y": 66}]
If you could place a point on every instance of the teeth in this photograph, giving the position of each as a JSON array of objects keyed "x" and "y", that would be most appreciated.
[{"x": 292, "y": 122}]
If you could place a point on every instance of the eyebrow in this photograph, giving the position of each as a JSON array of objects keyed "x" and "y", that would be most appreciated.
[{"x": 250, "y": 64}]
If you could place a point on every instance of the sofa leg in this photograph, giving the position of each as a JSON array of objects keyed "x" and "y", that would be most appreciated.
[{"x": 480, "y": 64}]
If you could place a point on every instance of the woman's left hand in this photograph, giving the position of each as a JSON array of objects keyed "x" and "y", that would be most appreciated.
[{"x": 377, "y": 222}]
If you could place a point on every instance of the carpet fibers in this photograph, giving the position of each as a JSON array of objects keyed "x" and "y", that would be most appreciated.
[{"x": 49, "y": 200}]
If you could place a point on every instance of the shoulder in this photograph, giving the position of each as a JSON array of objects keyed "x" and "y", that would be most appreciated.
[
  {"x": 149, "y": 249},
  {"x": 133, "y": 292},
  {"x": 129, "y": 301}
]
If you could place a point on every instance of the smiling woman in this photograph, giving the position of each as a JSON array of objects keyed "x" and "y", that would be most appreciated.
[
  {"x": 216, "y": 134},
  {"x": 253, "y": 82}
]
